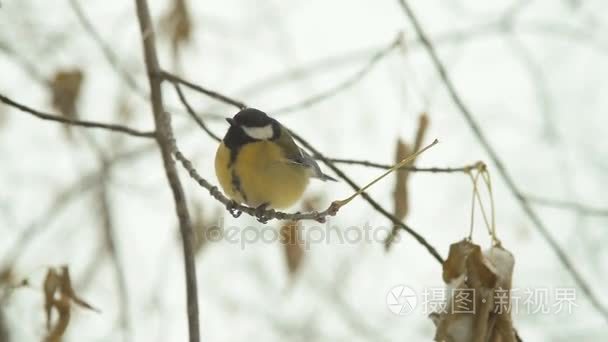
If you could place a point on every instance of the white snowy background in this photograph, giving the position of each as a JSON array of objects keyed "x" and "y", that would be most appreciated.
[{"x": 535, "y": 82}]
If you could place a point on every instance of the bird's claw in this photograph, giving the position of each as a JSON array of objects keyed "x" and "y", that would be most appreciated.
[
  {"x": 262, "y": 213},
  {"x": 232, "y": 209}
]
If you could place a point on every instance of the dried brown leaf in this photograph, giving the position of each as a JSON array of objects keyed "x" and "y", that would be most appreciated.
[
  {"x": 51, "y": 284},
  {"x": 62, "y": 305},
  {"x": 124, "y": 110},
  {"x": 400, "y": 194},
  {"x": 6, "y": 276},
  {"x": 401, "y": 200},
  {"x": 292, "y": 245},
  {"x": 177, "y": 25},
  {"x": 455, "y": 265},
  {"x": 65, "y": 87},
  {"x": 206, "y": 227},
  {"x": 59, "y": 295},
  {"x": 65, "y": 90},
  {"x": 67, "y": 289},
  {"x": 423, "y": 125},
  {"x": 482, "y": 275}
]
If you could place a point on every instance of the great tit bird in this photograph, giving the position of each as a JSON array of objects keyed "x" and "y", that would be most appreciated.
[{"x": 259, "y": 164}]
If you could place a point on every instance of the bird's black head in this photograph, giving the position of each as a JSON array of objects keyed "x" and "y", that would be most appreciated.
[
  {"x": 251, "y": 117},
  {"x": 250, "y": 125}
]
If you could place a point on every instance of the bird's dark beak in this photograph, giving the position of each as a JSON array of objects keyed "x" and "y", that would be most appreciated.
[{"x": 231, "y": 121}]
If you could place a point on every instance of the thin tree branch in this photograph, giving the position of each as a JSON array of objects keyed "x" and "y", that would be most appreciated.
[
  {"x": 30, "y": 68},
  {"x": 370, "y": 200},
  {"x": 109, "y": 236},
  {"x": 164, "y": 136},
  {"x": 61, "y": 200},
  {"x": 120, "y": 274},
  {"x": 346, "y": 84},
  {"x": 213, "y": 94},
  {"x": 538, "y": 200},
  {"x": 105, "y": 49},
  {"x": 74, "y": 122},
  {"x": 92, "y": 268},
  {"x": 193, "y": 114},
  {"x": 568, "y": 205},
  {"x": 462, "y": 169},
  {"x": 468, "y": 116}
]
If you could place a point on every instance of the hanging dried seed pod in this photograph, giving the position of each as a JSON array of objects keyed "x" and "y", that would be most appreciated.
[{"x": 478, "y": 300}]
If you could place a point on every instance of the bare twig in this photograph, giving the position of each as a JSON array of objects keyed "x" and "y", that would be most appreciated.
[
  {"x": 74, "y": 122},
  {"x": 92, "y": 267},
  {"x": 106, "y": 49},
  {"x": 370, "y": 200},
  {"x": 120, "y": 274},
  {"x": 462, "y": 169},
  {"x": 61, "y": 200},
  {"x": 213, "y": 94},
  {"x": 193, "y": 114},
  {"x": 163, "y": 138},
  {"x": 568, "y": 205},
  {"x": 30, "y": 68},
  {"x": 468, "y": 116},
  {"x": 346, "y": 84}
]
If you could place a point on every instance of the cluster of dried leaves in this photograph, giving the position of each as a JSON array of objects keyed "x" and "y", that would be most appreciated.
[
  {"x": 485, "y": 315},
  {"x": 59, "y": 296}
]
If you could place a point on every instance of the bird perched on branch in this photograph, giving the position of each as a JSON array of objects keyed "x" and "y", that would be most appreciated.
[{"x": 259, "y": 164}]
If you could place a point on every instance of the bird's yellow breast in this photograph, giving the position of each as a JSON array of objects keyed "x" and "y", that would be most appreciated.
[{"x": 260, "y": 174}]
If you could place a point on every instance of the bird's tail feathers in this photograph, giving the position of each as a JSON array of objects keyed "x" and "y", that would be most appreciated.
[{"x": 325, "y": 178}]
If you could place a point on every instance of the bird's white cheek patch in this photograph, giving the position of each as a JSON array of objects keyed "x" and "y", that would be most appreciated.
[{"x": 259, "y": 133}]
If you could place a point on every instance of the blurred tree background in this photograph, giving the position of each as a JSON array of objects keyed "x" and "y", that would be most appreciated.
[{"x": 356, "y": 81}]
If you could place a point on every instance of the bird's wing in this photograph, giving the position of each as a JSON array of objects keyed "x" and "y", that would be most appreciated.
[
  {"x": 296, "y": 155},
  {"x": 307, "y": 160}
]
